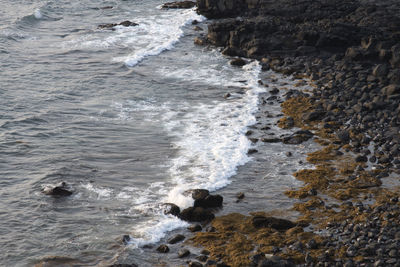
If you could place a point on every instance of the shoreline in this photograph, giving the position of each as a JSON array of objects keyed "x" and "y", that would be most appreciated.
[
  {"x": 348, "y": 211},
  {"x": 342, "y": 196}
]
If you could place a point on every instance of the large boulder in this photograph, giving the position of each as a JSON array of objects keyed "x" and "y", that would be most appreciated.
[
  {"x": 196, "y": 214},
  {"x": 170, "y": 208},
  {"x": 210, "y": 201},
  {"x": 125, "y": 23},
  {"x": 59, "y": 190}
]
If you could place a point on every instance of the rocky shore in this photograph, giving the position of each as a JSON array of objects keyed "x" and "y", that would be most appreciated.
[
  {"x": 349, "y": 202},
  {"x": 349, "y": 208}
]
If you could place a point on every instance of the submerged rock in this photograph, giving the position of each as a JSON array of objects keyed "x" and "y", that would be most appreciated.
[
  {"x": 125, "y": 23},
  {"x": 163, "y": 249},
  {"x": 183, "y": 253},
  {"x": 57, "y": 190}
]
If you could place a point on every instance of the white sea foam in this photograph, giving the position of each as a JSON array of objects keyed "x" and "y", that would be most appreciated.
[
  {"x": 153, "y": 35},
  {"x": 211, "y": 140},
  {"x": 98, "y": 192},
  {"x": 164, "y": 32},
  {"x": 211, "y": 144},
  {"x": 37, "y": 14},
  {"x": 149, "y": 234}
]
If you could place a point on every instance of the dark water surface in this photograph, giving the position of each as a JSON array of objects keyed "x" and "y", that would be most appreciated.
[{"x": 129, "y": 118}]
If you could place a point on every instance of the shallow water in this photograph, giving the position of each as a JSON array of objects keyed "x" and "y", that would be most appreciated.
[{"x": 129, "y": 118}]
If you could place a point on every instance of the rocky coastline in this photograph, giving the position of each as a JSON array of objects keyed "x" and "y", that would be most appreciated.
[
  {"x": 350, "y": 214},
  {"x": 350, "y": 51}
]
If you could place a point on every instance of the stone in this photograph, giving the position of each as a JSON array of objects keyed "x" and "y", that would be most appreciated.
[
  {"x": 197, "y": 193},
  {"x": 195, "y": 264},
  {"x": 125, "y": 23},
  {"x": 314, "y": 115},
  {"x": 200, "y": 41},
  {"x": 195, "y": 228},
  {"x": 126, "y": 239},
  {"x": 170, "y": 208},
  {"x": 238, "y": 62},
  {"x": 183, "y": 253},
  {"x": 176, "y": 239},
  {"x": 196, "y": 214},
  {"x": 202, "y": 258},
  {"x": 391, "y": 89},
  {"x": 210, "y": 201},
  {"x": 240, "y": 195},
  {"x": 59, "y": 190},
  {"x": 163, "y": 249}
]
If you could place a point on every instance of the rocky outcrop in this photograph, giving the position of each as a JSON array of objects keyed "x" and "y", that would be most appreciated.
[
  {"x": 125, "y": 23},
  {"x": 59, "y": 190}
]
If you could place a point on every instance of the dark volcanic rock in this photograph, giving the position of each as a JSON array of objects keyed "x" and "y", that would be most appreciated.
[
  {"x": 298, "y": 137},
  {"x": 163, "y": 249},
  {"x": 272, "y": 222},
  {"x": 195, "y": 228},
  {"x": 196, "y": 214},
  {"x": 176, "y": 239},
  {"x": 238, "y": 62},
  {"x": 210, "y": 201},
  {"x": 59, "y": 190},
  {"x": 177, "y": 4},
  {"x": 183, "y": 253},
  {"x": 125, "y": 23},
  {"x": 197, "y": 193},
  {"x": 170, "y": 208}
]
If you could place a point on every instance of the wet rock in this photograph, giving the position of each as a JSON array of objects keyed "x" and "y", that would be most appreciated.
[
  {"x": 343, "y": 136},
  {"x": 179, "y": 4},
  {"x": 176, "y": 239},
  {"x": 272, "y": 222},
  {"x": 200, "y": 41},
  {"x": 183, "y": 253},
  {"x": 270, "y": 140},
  {"x": 106, "y": 7},
  {"x": 126, "y": 239},
  {"x": 195, "y": 264},
  {"x": 391, "y": 90},
  {"x": 163, "y": 249},
  {"x": 252, "y": 151},
  {"x": 298, "y": 137},
  {"x": 59, "y": 190},
  {"x": 240, "y": 195},
  {"x": 195, "y": 228},
  {"x": 197, "y": 193},
  {"x": 210, "y": 201},
  {"x": 314, "y": 115},
  {"x": 170, "y": 208},
  {"x": 196, "y": 214},
  {"x": 238, "y": 62},
  {"x": 125, "y": 23},
  {"x": 361, "y": 158},
  {"x": 202, "y": 258}
]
